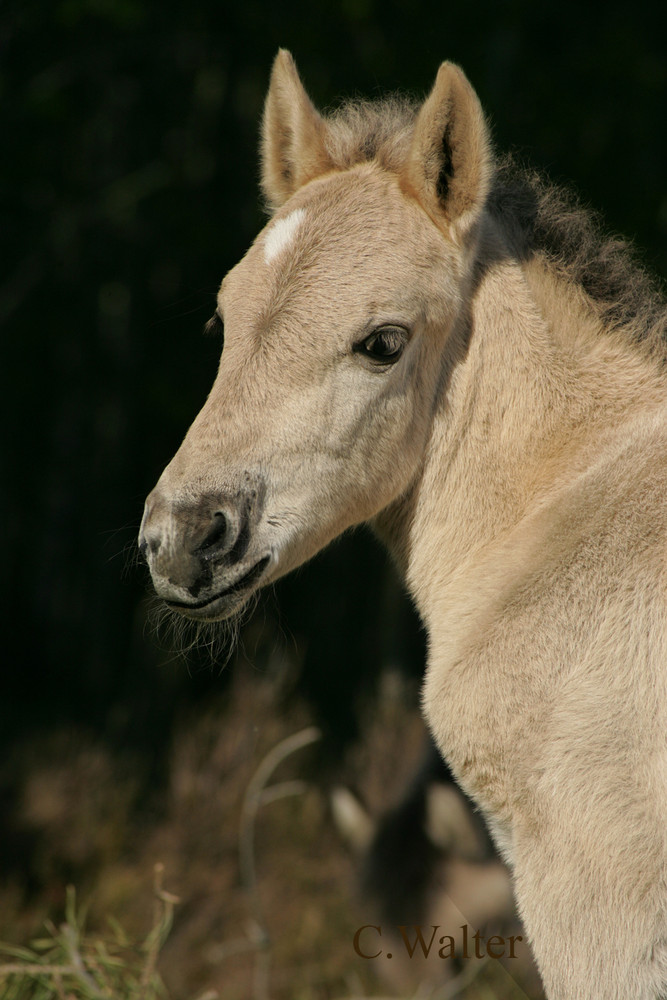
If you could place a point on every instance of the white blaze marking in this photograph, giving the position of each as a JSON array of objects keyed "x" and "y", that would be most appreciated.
[{"x": 282, "y": 233}]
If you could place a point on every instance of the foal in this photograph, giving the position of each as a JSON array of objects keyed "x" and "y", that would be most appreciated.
[{"x": 444, "y": 348}]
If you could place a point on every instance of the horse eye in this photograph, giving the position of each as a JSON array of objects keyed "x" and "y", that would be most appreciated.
[
  {"x": 385, "y": 345},
  {"x": 215, "y": 327}
]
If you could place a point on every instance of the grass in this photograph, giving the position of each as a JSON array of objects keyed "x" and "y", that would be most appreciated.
[
  {"x": 67, "y": 964},
  {"x": 268, "y": 907}
]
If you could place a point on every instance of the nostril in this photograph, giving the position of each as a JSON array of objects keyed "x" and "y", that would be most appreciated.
[
  {"x": 143, "y": 549},
  {"x": 216, "y": 535}
]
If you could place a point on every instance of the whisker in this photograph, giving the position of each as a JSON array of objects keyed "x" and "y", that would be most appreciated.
[{"x": 181, "y": 637}]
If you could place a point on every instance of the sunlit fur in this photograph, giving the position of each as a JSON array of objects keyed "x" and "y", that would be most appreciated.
[{"x": 514, "y": 461}]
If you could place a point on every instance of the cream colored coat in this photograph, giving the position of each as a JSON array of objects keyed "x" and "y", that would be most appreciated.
[{"x": 399, "y": 351}]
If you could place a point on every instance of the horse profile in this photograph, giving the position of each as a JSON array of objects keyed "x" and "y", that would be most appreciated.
[{"x": 444, "y": 346}]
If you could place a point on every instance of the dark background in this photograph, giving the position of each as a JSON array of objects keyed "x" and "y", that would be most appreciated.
[{"x": 129, "y": 186}]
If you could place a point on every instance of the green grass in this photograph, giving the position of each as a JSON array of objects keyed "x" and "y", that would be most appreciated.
[{"x": 66, "y": 964}]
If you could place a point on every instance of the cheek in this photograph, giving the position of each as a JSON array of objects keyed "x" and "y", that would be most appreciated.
[
  {"x": 378, "y": 428},
  {"x": 349, "y": 434}
]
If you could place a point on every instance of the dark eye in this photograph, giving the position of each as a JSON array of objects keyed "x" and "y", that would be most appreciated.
[
  {"x": 385, "y": 345},
  {"x": 215, "y": 327}
]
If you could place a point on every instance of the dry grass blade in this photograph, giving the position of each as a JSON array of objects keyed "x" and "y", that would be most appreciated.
[
  {"x": 69, "y": 965},
  {"x": 256, "y": 795}
]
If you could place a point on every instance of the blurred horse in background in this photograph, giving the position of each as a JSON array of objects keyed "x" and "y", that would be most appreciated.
[
  {"x": 427, "y": 861},
  {"x": 445, "y": 347}
]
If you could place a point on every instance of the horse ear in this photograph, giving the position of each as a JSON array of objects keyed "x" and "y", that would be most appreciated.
[
  {"x": 449, "y": 163},
  {"x": 293, "y": 148}
]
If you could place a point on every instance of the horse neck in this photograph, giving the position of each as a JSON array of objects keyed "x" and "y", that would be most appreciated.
[{"x": 538, "y": 393}]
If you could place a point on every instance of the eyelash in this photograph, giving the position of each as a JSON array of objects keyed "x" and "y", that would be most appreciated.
[
  {"x": 394, "y": 337},
  {"x": 215, "y": 327}
]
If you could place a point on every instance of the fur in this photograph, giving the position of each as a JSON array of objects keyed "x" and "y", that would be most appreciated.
[{"x": 512, "y": 454}]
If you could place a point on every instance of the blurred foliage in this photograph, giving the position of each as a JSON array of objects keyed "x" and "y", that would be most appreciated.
[
  {"x": 67, "y": 964},
  {"x": 263, "y": 877},
  {"x": 128, "y": 188}
]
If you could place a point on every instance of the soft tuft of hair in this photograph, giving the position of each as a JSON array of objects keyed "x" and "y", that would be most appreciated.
[
  {"x": 539, "y": 217},
  {"x": 363, "y": 131}
]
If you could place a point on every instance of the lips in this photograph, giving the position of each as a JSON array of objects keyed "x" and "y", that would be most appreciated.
[{"x": 203, "y": 608}]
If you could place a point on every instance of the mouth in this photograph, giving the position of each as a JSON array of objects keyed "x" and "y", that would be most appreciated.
[{"x": 218, "y": 605}]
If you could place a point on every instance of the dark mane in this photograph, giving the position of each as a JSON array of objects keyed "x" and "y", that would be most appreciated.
[
  {"x": 537, "y": 216},
  {"x": 541, "y": 218}
]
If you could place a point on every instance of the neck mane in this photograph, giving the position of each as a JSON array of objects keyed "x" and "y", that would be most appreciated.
[
  {"x": 539, "y": 221},
  {"x": 564, "y": 339},
  {"x": 545, "y": 223},
  {"x": 559, "y": 354}
]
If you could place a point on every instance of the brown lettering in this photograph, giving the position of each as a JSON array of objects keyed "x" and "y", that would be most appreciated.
[
  {"x": 357, "y": 937},
  {"x": 512, "y": 939},
  {"x": 476, "y": 938},
  {"x": 411, "y": 948},
  {"x": 450, "y": 946},
  {"x": 495, "y": 941}
]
